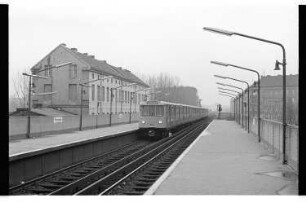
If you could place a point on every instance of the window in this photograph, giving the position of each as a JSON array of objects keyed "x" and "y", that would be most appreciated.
[
  {"x": 73, "y": 71},
  {"x": 72, "y": 92},
  {"x": 148, "y": 110},
  {"x": 124, "y": 96},
  {"x": 159, "y": 110},
  {"x": 107, "y": 94},
  {"x": 103, "y": 93},
  {"x": 99, "y": 93},
  {"x": 93, "y": 75},
  {"x": 48, "y": 71},
  {"x": 92, "y": 92},
  {"x": 47, "y": 88}
]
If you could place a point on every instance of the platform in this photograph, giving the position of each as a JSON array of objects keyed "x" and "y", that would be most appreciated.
[
  {"x": 226, "y": 160},
  {"x": 19, "y": 147}
]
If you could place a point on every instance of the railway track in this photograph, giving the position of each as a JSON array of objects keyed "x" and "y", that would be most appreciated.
[
  {"x": 129, "y": 170},
  {"x": 144, "y": 173},
  {"x": 59, "y": 179}
]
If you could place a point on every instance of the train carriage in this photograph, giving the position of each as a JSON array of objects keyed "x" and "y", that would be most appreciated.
[{"x": 159, "y": 119}]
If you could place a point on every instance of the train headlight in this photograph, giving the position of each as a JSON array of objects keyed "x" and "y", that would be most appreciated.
[
  {"x": 143, "y": 122},
  {"x": 160, "y": 121}
]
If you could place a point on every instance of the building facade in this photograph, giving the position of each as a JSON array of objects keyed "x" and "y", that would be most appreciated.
[
  {"x": 271, "y": 98},
  {"x": 64, "y": 90}
]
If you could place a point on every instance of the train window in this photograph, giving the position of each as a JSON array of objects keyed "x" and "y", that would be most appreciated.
[
  {"x": 159, "y": 110},
  {"x": 148, "y": 110}
]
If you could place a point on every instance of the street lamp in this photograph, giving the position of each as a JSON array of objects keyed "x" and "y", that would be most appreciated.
[
  {"x": 228, "y": 89},
  {"x": 258, "y": 105},
  {"x": 229, "y": 33},
  {"x": 227, "y": 93},
  {"x": 226, "y": 77},
  {"x": 111, "y": 101},
  {"x": 82, "y": 85},
  {"x": 29, "y": 101},
  {"x": 131, "y": 99},
  {"x": 238, "y": 98},
  {"x": 29, "y": 96},
  {"x": 224, "y": 94}
]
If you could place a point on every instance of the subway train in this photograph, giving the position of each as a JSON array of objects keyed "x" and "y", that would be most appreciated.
[{"x": 160, "y": 119}]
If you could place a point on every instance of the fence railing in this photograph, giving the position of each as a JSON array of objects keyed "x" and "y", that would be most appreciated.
[{"x": 271, "y": 133}]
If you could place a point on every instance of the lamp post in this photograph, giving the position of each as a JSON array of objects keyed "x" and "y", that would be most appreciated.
[
  {"x": 258, "y": 105},
  {"x": 132, "y": 97},
  {"x": 277, "y": 63},
  {"x": 29, "y": 101},
  {"x": 226, "y": 77},
  {"x": 30, "y": 87},
  {"x": 111, "y": 101},
  {"x": 238, "y": 98},
  {"x": 220, "y": 93},
  {"x": 82, "y": 91}
]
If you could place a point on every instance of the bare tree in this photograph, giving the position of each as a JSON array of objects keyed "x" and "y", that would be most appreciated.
[{"x": 21, "y": 87}]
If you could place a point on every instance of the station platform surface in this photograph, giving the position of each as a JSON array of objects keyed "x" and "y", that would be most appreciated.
[
  {"x": 22, "y": 146},
  {"x": 226, "y": 160}
]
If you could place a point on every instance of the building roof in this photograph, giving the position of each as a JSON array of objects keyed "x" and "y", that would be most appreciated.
[
  {"x": 292, "y": 80},
  {"x": 101, "y": 66},
  {"x": 277, "y": 81}
]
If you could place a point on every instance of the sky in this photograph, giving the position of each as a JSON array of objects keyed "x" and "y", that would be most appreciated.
[{"x": 150, "y": 37}]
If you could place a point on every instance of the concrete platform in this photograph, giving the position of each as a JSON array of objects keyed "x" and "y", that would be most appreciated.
[
  {"x": 20, "y": 147},
  {"x": 226, "y": 160}
]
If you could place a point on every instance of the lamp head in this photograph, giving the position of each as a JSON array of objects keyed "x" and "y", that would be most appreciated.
[
  {"x": 218, "y": 31},
  {"x": 219, "y": 63},
  {"x": 222, "y": 77},
  {"x": 277, "y": 63}
]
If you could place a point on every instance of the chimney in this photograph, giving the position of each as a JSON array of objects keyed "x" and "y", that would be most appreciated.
[
  {"x": 120, "y": 68},
  {"x": 92, "y": 56},
  {"x": 74, "y": 49},
  {"x": 86, "y": 54},
  {"x": 63, "y": 44}
]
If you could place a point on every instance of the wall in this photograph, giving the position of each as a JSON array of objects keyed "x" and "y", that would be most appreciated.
[
  {"x": 271, "y": 134},
  {"x": 45, "y": 125}
]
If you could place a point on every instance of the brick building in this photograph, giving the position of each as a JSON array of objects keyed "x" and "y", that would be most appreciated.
[
  {"x": 271, "y": 98},
  {"x": 64, "y": 82}
]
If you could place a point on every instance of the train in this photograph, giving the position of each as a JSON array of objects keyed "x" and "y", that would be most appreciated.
[{"x": 159, "y": 119}]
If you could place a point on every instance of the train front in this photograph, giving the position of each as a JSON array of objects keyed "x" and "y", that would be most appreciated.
[{"x": 152, "y": 122}]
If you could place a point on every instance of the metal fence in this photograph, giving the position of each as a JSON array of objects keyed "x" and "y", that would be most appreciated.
[{"x": 272, "y": 138}]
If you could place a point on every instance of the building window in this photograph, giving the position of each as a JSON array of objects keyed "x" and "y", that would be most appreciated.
[
  {"x": 72, "y": 92},
  {"x": 47, "y": 89},
  {"x": 93, "y": 92},
  {"x": 111, "y": 80},
  {"x": 103, "y": 93},
  {"x": 99, "y": 93},
  {"x": 93, "y": 75},
  {"x": 48, "y": 71},
  {"x": 73, "y": 71},
  {"x": 107, "y": 92}
]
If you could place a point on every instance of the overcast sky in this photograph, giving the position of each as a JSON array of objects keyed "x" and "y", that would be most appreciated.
[{"x": 159, "y": 36}]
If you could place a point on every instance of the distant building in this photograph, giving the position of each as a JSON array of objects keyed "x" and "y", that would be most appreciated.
[
  {"x": 271, "y": 98},
  {"x": 64, "y": 82}
]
